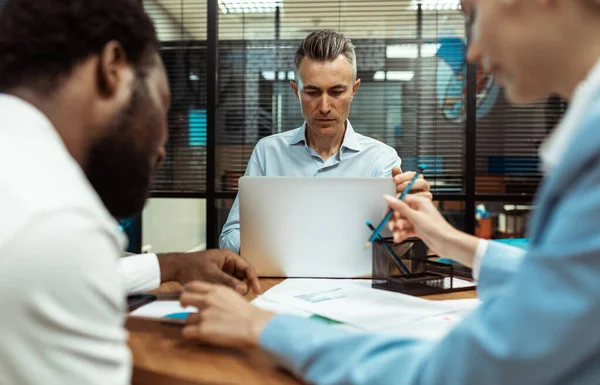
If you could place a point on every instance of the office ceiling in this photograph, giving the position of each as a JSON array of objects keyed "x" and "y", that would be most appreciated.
[{"x": 177, "y": 19}]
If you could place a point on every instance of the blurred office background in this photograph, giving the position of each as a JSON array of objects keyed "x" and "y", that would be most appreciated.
[{"x": 230, "y": 63}]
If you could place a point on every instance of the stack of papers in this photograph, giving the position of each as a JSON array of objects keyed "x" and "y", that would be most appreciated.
[
  {"x": 349, "y": 304},
  {"x": 356, "y": 305}
]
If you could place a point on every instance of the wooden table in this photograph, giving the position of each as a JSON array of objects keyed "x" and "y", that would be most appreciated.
[{"x": 161, "y": 356}]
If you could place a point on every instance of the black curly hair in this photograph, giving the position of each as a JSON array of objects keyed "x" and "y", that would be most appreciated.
[{"x": 41, "y": 41}]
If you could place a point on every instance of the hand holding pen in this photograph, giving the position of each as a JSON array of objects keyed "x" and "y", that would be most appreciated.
[
  {"x": 418, "y": 217},
  {"x": 389, "y": 214},
  {"x": 402, "y": 179}
]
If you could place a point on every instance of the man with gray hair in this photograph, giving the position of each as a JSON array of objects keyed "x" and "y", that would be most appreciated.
[{"x": 326, "y": 145}]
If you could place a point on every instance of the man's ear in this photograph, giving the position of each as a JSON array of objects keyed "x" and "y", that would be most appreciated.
[
  {"x": 112, "y": 67},
  {"x": 356, "y": 86},
  {"x": 294, "y": 86}
]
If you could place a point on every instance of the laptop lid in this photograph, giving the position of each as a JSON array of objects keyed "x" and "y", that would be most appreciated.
[{"x": 310, "y": 227}]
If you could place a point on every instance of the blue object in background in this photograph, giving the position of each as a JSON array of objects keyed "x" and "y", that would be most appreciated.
[
  {"x": 481, "y": 212},
  {"x": 398, "y": 130},
  {"x": 197, "y": 128},
  {"x": 435, "y": 164},
  {"x": 510, "y": 165},
  {"x": 130, "y": 227},
  {"x": 453, "y": 51},
  {"x": 452, "y": 82}
]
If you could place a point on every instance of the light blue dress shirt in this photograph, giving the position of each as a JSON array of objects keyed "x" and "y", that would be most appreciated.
[
  {"x": 539, "y": 321},
  {"x": 287, "y": 154}
]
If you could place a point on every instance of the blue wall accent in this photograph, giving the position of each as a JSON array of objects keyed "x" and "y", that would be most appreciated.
[
  {"x": 513, "y": 165},
  {"x": 197, "y": 128}
]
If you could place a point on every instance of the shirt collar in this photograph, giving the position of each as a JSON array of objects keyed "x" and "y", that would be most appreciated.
[
  {"x": 300, "y": 137},
  {"x": 553, "y": 148},
  {"x": 33, "y": 117},
  {"x": 350, "y": 141}
]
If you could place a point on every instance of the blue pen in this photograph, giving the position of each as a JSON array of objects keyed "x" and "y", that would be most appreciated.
[
  {"x": 389, "y": 214},
  {"x": 391, "y": 252}
]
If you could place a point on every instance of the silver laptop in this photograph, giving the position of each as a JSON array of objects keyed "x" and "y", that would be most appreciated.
[{"x": 310, "y": 227}]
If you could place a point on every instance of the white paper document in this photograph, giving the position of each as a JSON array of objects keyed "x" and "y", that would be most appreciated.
[
  {"x": 164, "y": 310},
  {"x": 356, "y": 304},
  {"x": 265, "y": 303}
]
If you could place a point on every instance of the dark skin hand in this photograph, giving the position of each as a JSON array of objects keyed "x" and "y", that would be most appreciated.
[{"x": 213, "y": 266}]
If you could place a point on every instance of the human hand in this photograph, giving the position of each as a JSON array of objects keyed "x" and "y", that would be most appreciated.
[
  {"x": 224, "y": 318},
  {"x": 212, "y": 266},
  {"x": 416, "y": 216},
  {"x": 421, "y": 187}
]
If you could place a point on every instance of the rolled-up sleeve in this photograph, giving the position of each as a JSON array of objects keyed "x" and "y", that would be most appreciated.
[{"x": 230, "y": 235}]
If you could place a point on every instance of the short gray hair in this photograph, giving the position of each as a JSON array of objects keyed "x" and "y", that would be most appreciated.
[{"x": 325, "y": 45}]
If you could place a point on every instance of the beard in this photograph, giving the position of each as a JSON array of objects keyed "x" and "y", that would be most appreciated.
[{"x": 120, "y": 165}]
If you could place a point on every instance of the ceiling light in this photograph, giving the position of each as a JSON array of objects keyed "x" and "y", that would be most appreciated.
[
  {"x": 410, "y": 51},
  {"x": 268, "y": 75},
  {"x": 249, "y": 6},
  {"x": 404, "y": 76},
  {"x": 436, "y": 5},
  {"x": 379, "y": 75}
]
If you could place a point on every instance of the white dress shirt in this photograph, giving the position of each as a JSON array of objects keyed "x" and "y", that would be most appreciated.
[
  {"x": 552, "y": 150},
  {"x": 140, "y": 273},
  {"x": 63, "y": 301}
]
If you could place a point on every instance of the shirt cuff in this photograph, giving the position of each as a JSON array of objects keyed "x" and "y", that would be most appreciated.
[
  {"x": 480, "y": 251},
  {"x": 140, "y": 273},
  {"x": 290, "y": 340}
]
